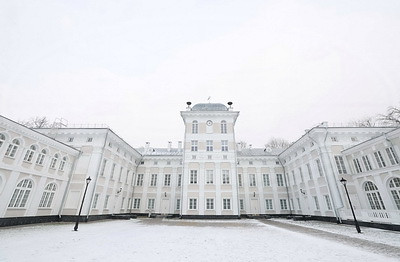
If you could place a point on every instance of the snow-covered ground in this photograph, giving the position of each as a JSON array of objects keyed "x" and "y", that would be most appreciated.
[
  {"x": 370, "y": 234},
  {"x": 172, "y": 240}
]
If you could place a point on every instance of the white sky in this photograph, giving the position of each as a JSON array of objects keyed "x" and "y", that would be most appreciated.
[{"x": 286, "y": 65}]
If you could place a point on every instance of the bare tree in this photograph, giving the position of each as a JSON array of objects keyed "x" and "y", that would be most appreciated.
[
  {"x": 277, "y": 143},
  {"x": 242, "y": 144},
  {"x": 36, "y": 122},
  {"x": 364, "y": 122},
  {"x": 391, "y": 118}
]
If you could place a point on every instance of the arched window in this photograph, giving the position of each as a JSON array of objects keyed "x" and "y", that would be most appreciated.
[
  {"x": 54, "y": 161},
  {"x": 223, "y": 127},
  {"x": 195, "y": 127},
  {"x": 40, "y": 158},
  {"x": 373, "y": 195},
  {"x": 62, "y": 164},
  {"x": 21, "y": 194},
  {"x": 48, "y": 195},
  {"x": 29, "y": 153},
  {"x": 2, "y": 139},
  {"x": 12, "y": 148},
  {"x": 394, "y": 185}
]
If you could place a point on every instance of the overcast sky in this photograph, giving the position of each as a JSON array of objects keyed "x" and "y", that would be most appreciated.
[{"x": 133, "y": 65}]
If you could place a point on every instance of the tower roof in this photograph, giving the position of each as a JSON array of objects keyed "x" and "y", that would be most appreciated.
[{"x": 209, "y": 107}]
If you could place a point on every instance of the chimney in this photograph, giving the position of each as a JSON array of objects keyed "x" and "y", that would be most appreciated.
[
  {"x": 147, "y": 147},
  {"x": 169, "y": 146},
  {"x": 180, "y": 145}
]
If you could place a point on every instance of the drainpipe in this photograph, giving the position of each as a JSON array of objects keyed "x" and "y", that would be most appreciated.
[
  {"x": 287, "y": 186},
  {"x": 97, "y": 176},
  {"x": 236, "y": 168},
  {"x": 337, "y": 215},
  {"x": 69, "y": 183}
]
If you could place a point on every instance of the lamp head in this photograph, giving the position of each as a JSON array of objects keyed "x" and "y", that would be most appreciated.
[
  {"x": 343, "y": 181},
  {"x": 88, "y": 180}
]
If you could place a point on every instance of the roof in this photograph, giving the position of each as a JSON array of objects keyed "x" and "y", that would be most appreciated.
[
  {"x": 258, "y": 152},
  {"x": 209, "y": 107},
  {"x": 159, "y": 151}
]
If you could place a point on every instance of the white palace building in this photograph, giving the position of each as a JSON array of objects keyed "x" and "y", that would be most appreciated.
[{"x": 43, "y": 173}]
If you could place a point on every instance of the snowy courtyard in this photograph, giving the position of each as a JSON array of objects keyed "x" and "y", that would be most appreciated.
[{"x": 196, "y": 240}]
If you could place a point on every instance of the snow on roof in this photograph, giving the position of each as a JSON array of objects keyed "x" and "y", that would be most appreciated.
[{"x": 159, "y": 151}]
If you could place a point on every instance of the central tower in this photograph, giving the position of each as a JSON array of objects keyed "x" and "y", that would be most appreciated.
[{"x": 209, "y": 186}]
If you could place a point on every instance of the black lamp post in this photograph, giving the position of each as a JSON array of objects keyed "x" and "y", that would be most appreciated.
[
  {"x": 344, "y": 182},
  {"x": 83, "y": 199}
]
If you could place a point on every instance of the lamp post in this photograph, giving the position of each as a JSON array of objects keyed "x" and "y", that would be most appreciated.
[
  {"x": 83, "y": 199},
  {"x": 344, "y": 182}
]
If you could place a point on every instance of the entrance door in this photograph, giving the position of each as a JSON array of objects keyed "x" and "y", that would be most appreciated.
[
  {"x": 254, "y": 207},
  {"x": 165, "y": 206}
]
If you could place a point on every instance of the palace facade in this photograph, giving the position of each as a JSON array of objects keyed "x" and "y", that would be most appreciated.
[{"x": 43, "y": 173}]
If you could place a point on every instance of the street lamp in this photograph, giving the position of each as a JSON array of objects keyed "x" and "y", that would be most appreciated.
[
  {"x": 344, "y": 182},
  {"x": 83, "y": 199}
]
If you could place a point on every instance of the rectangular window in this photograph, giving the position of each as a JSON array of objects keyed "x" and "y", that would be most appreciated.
[
  {"x": 89, "y": 139},
  {"x": 195, "y": 127},
  {"x": 209, "y": 203},
  {"x": 178, "y": 204},
  {"x": 309, "y": 171},
  {"x": 298, "y": 203},
  {"x": 226, "y": 203},
  {"x": 225, "y": 177},
  {"x": 223, "y": 127},
  {"x": 366, "y": 162},
  {"x": 151, "y": 203},
  {"x": 139, "y": 180},
  {"x": 194, "y": 145},
  {"x": 209, "y": 176},
  {"x": 106, "y": 201},
  {"x": 316, "y": 202},
  {"x": 392, "y": 156},
  {"x": 268, "y": 204},
  {"x": 328, "y": 202},
  {"x": 167, "y": 180},
  {"x": 319, "y": 166},
  {"x": 193, "y": 177},
  {"x": 357, "y": 165},
  {"x": 266, "y": 180},
  {"x": 301, "y": 175},
  {"x": 179, "y": 179},
  {"x": 112, "y": 171},
  {"x": 153, "y": 181},
  {"x": 340, "y": 165},
  {"x": 279, "y": 179},
  {"x": 379, "y": 159},
  {"x": 240, "y": 180},
  {"x": 95, "y": 199},
  {"x": 209, "y": 145},
  {"x": 136, "y": 203},
  {"x": 252, "y": 180},
  {"x": 224, "y": 145},
  {"x": 70, "y": 139},
  {"x": 241, "y": 204},
  {"x": 192, "y": 203},
  {"x": 283, "y": 204}
]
